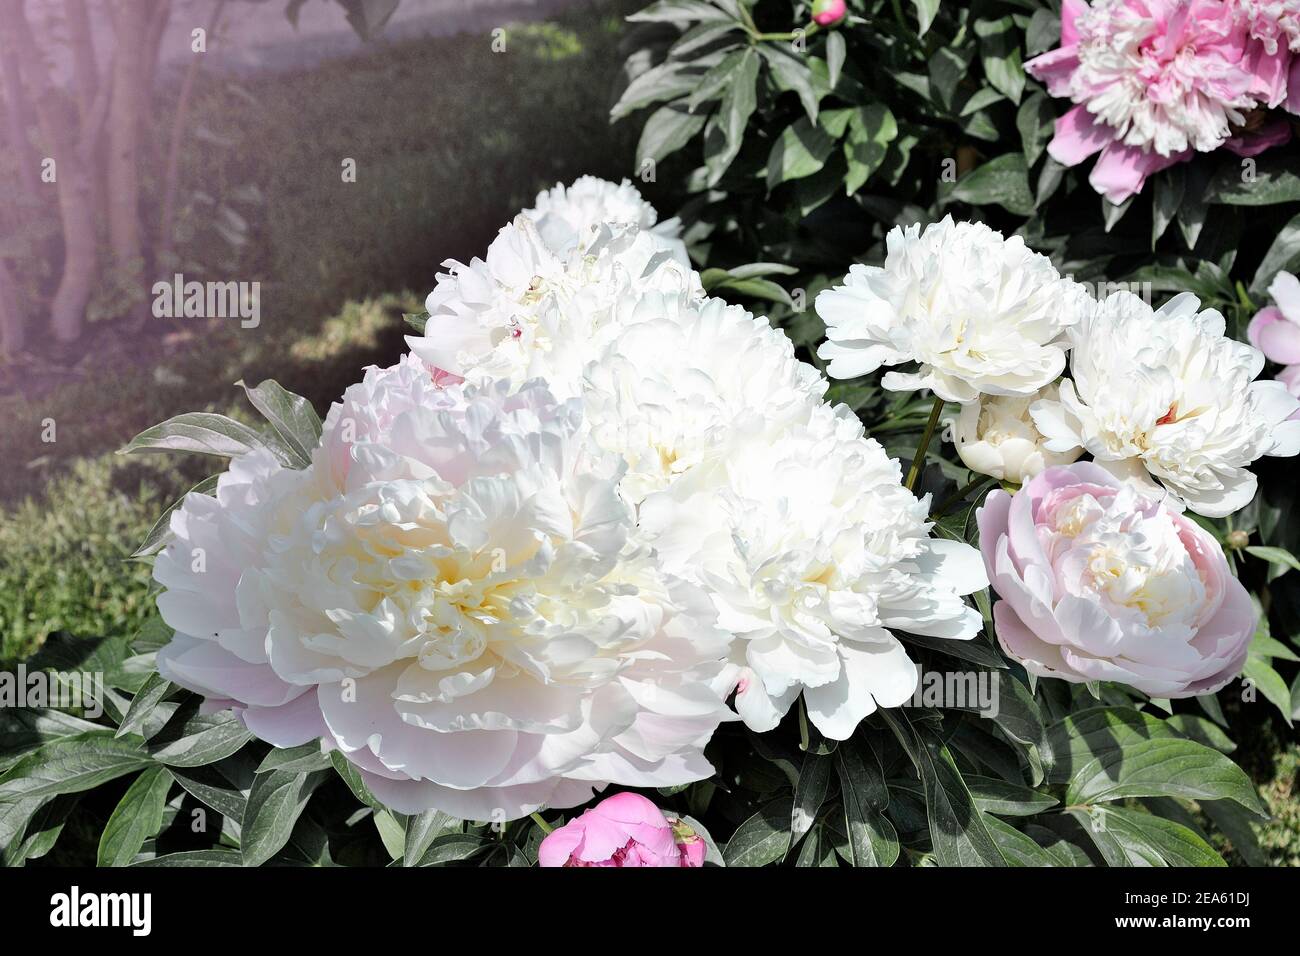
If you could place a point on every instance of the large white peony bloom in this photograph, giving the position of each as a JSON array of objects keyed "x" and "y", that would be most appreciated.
[
  {"x": 571, "y": 216},
  {"x": 980, "y": 313},
  {"x": 814, "y": 554},
  {"x": 525, "y": 311},
  {"x": 1163, "y": 394},
  {"x": 684, "y": 383},
  {"x": 454, "y": 596}
]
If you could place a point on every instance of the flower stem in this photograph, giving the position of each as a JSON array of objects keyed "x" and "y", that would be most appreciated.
[
  {"x": 537, "y": 818},
  {"x": 958, "y": 495},
  {"x": 915, "y": 471}
]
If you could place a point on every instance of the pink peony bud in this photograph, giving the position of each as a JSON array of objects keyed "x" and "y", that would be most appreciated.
[
  {"x": 827, "y": 12},
  {"x": 623, "y": 830}
]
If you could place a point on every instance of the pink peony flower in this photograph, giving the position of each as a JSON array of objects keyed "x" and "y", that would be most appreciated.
[
  {"x": 1154, "y": 82},
  {"x": 623, "y": 830},
  {"x": 827, "y": 12},
  {"x": 1275, "y": 330},
  {"x": 1103, "y": 580}
]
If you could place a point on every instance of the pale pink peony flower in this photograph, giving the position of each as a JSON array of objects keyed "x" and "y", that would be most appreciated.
[
  {"x": 1154, "y": 82},
  {"x": 1275, "y": 330},
  {"x": 1102, "y": 581},
  {"x": 623, "y": 830}
]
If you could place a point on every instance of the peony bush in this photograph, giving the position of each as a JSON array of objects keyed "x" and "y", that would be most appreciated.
[{"x": 957, "y": 556}]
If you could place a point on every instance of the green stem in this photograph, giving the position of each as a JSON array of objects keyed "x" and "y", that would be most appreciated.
[
  {"x": 537, "y": 818},
  {"x": 958, "y": 495},
  {"x": 915, "y": 471}
]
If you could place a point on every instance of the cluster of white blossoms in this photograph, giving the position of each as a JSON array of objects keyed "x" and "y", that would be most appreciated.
[
  {"x": 1152, "y": 395},
  {"x": 541, "y": 554}
]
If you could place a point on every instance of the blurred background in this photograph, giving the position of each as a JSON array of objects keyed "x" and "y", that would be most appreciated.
[{"x": 333, "y": 151}]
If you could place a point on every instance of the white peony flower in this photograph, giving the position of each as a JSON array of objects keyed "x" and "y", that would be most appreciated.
[
  {"x": 684, "y": 383},
  {"x": 464, "y": 609},
  {"x": 525, "y": 311},
  {"x": 571, "y": 216},
  {"x": 980, "y": 313},
  {"x": 1163, "y": 394},
  {"x": 815, "y": 554},
  {"x": 996, "y": 436}
]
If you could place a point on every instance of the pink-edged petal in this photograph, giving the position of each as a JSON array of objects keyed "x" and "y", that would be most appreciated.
[
  {"x": 1271, "y": 333},
  {"x": 1078, "y": 136},
  {"x": 1121, "y": 171}
]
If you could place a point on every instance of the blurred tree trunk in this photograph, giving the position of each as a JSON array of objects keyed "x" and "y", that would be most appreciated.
[
  {"x": 18, "y": 114},
  {"x": 171, "y": 175},
  {"x": 75, "y": 186},
  {"x": 131, "y": 20},
  {"x": 85, "y": 70},
  {"x": 12, "y": 326}
]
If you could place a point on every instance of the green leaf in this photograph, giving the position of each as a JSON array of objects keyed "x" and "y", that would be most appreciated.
[
  {"x": 1268, "y": 682},
  {"x": 1002, "y": 181},
  {"x": 201, "y": 432},
  {"x": 1162, "y": 767},
  {"x": 137, "y": 817},
  {"x": 452, "y": 848},
  {"x": 713, "y": 84},
  {"x": 679, "y": 11},
  {"x": 1017, "y": 848},
  {"x": 1235, "y": 824},
  {"x": 307, "y": 757},
  {"x": 926, "y": 10},
  {"x": 352, "y": 777},
  {"x": 68, "y": 765},
  {"x": 792, "y": 74},
  {"x": 814, "y": 783},
  {"x": 161, "y": 531},
  {"x": 155, "y": 688},
  {"x": 999, "y": 44},
  {"x": 197, "y": 858},
  {"x": 291, "y": 416},
  {"x": 667, "y": 81},
  {"x": 1007, "y": 799},
  {"x": 871, "y": 839},
  {"x": 24, "y": 729},
  {"x": 274, "y": 805},
  {"x": 799, "y": 151},
  {"x": 199, "y": 740},
  {"x": 763, "y": 838},
  {"x": 221, "y": 786},
  {"x": 957, "y": 827},
  {"x": 1078, "y": 738},
  {"x": 1169, "y": 187},
  {"x": 1279, "y": 556},
  {"x": 668, "y": 129},
  {"x": 1282, "y": 256},
  {"x": 871, "y": 129},
  {"x": 1035, "y": 121},
  {"x": 392, "y": 832},
  {"x": 421, "y": 831},
  {"x": 1274, "y": 181},
  {"x": 737, "y": 105},
  {"x": 835, "y": 56},
  {"x": 1133, "y": 838}
]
